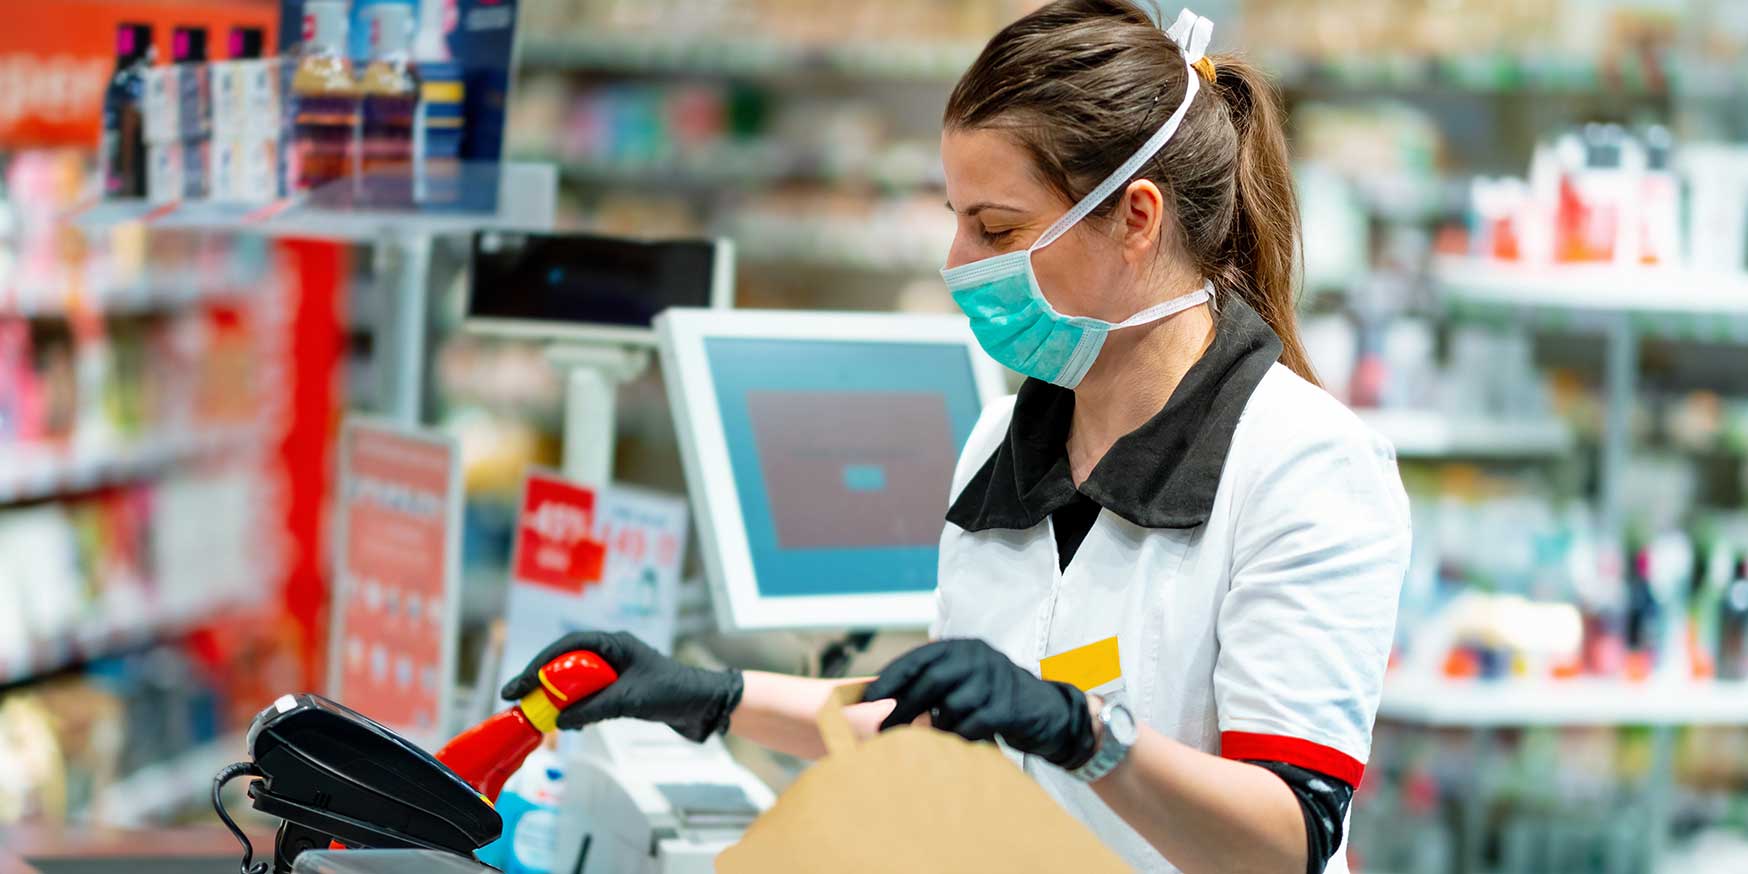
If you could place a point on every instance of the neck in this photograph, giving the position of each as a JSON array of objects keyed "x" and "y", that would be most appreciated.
[{"x": 1133, "y": 377}]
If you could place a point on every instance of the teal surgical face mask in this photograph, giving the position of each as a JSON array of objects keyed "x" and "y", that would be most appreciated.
[{"x": 1000, "y": 295}]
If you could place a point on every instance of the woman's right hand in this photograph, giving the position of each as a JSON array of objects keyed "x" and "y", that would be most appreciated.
[{"x": 692, "y": 701}]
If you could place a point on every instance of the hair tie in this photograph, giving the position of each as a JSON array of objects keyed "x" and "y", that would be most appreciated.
[{"x": 1192, "y": 34}]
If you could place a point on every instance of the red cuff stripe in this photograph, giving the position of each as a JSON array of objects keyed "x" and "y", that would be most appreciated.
[{"x": 1293, "y": 751}]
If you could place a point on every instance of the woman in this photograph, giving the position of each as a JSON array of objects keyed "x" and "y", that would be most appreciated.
[{"x": 1168, "y": 579}]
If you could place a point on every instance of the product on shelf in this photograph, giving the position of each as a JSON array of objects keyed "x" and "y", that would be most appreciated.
[
  {"x": 778, "y": 22},
  {"x": 1732, "y": 619},
  {"x": 194, "y": 108},
  {"x": 323, "y": 107},
  {"x": 1507, "y": 584},
  {"x": 245, "y": 122},
  {"x": 122, "y": 152},
  {"x": 1603, "y": 195},
  {"x": 389, "y": 111},
  {"x": 375, "y": 103},
  {"x": 442, "y": 112}
]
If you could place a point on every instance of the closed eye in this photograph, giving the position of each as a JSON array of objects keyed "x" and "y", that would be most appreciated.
[{"x": 996, "y": 237}]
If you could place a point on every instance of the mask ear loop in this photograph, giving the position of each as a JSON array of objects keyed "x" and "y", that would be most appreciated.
[{"x": 1192, "y": 33}]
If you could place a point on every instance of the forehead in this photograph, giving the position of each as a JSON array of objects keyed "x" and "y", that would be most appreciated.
[{"x": 989, "y": 166}]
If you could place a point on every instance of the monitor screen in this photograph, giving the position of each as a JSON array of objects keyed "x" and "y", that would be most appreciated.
[
  {"x": 842, "y": 454},
  {"x": 581, "y": 279}
]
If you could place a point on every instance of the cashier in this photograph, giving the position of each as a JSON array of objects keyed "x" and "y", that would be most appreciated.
[{"x": 1169, "y": 574}]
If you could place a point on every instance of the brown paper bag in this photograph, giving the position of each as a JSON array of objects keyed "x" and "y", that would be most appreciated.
[{"x": 913, "y": 800}]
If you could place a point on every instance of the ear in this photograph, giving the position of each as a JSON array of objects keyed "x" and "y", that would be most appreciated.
[{"x": 1142, "y": 221}]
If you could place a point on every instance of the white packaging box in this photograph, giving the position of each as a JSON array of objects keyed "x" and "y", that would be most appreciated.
[
  {"x": 262, "y": 107},
  {"x": 165, "y": 173},
  {"x": 222, "y": 173},
  {"x": 161, "y": 106},
  {"x": 251, "y": 167},
  {"x": 227, "y": 99}
]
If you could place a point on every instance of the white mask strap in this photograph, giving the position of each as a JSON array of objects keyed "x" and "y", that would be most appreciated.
[
  {"x": 1169, "y": 307},
  {"x": 1191, "y": 33}
]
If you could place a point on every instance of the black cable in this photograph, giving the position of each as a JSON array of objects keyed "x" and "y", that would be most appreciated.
[{"x": 226, "y": 775}]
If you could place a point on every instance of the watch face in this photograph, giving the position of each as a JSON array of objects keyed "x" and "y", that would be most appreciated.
[{"x": 1121, "y": 725}]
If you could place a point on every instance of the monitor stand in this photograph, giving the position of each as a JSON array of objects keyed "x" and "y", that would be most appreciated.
[
  {"x": 593, "y": 374},
  {"x": 834, "y": 660}
]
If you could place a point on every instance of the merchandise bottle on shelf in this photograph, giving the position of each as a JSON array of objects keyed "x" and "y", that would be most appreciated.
[
  {"x": 245, "y": 43},
  {"x": 1644, "y": 616},
  {"x": 122, "y": 152},
  {"x": 437, "y": 131},
  {"x": 1733, "y": 625},
  {"x": 1660, "y": 200},
  {"x": 194, "y": 106},
  {"x": 1711, "y": 582},
  {"x": 325, "y": 108},
  {"x": 1603, "y": 598},
  {"x": 390, "y": 109}
]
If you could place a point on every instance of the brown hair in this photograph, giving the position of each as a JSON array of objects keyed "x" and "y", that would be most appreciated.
[{"x": 1081, "y": 84}]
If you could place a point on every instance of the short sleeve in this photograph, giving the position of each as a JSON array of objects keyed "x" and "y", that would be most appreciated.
[{"x": 1320, "y": 549}]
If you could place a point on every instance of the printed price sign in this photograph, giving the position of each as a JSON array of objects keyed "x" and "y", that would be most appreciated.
[
  {"x": 392, "y": 640},
  {"x": 592, "y": 559},
  {"x": 555, "y": 536}
]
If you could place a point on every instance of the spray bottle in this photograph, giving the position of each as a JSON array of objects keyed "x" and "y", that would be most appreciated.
[{"x": 487, "y": 754}]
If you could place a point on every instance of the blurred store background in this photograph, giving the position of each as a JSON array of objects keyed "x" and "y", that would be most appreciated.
[{"x": 1526, "y": 263}]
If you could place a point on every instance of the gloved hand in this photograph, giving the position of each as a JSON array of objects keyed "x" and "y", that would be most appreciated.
[
  {"x": 977, "y": 693},
  {"x": 692, "y": 701}
]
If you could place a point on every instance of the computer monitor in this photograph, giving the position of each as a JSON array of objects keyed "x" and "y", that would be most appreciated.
[
  {"x": 590, "y": 288},
  {"x": 819, "y": 451}
]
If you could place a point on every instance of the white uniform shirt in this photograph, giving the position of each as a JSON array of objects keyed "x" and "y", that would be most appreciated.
[{"x": 1252, "y": 593}]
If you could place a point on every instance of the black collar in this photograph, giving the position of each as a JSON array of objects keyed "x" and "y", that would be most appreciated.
[{"x": 1161, "y": 475}]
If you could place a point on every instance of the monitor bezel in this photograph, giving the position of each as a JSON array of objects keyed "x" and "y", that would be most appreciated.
[{"x": 721, "y": 297}]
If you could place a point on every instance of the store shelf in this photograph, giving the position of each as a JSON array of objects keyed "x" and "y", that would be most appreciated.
[
  {"x": 1431, "y": 434},
  {"x": 30, "y": 472},
  {"x": 887, "y": 243},
  {"x": 158, "y": 294},
  {"x": 722, "y": 168},
  {"x": 1681, "y": 304},
  {"x": 119, "y": 632},
  {"x": 1513, "y": 703},
  {"x": 749, "y": 58},
  {"x": 156, "y": 792},
  {"x": 527, "y": 200},
  {"x": 740, "y": 169},
  {"x": 1503, "y": 74},
  {"x": 1595, "y": 287}
]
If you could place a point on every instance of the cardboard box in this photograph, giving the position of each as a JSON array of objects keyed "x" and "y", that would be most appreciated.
[{"x": 916, "y": 800}]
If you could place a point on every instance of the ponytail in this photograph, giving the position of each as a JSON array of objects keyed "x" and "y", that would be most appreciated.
[{"x": 1260, "y": 257}]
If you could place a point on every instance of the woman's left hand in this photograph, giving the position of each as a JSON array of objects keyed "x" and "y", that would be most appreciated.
[{"x": 974, "y": 691}]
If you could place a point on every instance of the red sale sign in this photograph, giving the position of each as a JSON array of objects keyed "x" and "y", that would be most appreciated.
[
  {"x": 556, "y": 544},
  {"x": 396, "y": 616}
]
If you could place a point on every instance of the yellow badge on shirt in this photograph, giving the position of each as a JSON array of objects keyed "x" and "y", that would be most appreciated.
[{"x": 1088, "y": 668}]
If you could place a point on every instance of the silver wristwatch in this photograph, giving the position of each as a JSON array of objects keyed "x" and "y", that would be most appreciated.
[{"x": 1114, "y": 742}]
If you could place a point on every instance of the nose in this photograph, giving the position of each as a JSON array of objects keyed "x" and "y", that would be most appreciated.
[{"x": 960, "y": 252}]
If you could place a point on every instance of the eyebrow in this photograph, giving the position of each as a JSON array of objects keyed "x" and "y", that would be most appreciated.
[{"x": 972, "y": 210}]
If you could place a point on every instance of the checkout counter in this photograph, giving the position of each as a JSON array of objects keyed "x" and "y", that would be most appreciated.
[{"x": 817, "y": 448}]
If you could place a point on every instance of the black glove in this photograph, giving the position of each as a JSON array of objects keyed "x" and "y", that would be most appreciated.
[
  {"x": 693, "y": 701},
  {"x": 977, "y": 693}
]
